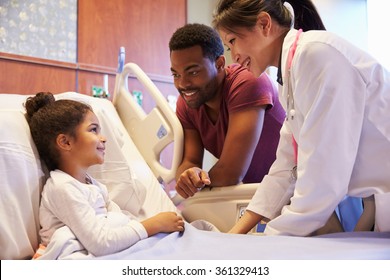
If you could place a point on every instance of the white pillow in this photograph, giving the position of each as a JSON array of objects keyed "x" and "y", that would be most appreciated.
[{"x": 20, "y": 186}]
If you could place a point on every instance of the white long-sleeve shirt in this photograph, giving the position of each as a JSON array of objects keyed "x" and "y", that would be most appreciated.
[
  {"x": 96, "y": 221},
  {"x": 342, "y": 127}
]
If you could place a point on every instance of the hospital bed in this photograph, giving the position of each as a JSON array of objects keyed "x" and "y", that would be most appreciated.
[{"x": 133, "y": 174}]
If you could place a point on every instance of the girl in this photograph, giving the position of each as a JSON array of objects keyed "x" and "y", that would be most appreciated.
[
  {"x": 68, "y": 139},
  {"x": 336, "y": 132}
]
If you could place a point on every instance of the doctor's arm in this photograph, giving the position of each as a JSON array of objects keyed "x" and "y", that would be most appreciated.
[
  {"x": 274, "y": 191},
  {"x": 246, "y": 222},
  {"x": 330, "y": 111},
  {"x": 242, "y": 137}
]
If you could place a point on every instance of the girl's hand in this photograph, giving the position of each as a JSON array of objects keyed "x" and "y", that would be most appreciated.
[{"x": 163, "y": 222}]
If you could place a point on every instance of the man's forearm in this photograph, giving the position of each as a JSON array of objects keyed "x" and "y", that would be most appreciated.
[{"x": 221, "y": 177}]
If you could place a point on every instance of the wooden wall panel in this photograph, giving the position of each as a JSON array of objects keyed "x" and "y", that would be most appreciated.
[
  {"x": 143, "y": 27},
  {"x": 26, "y": 75},
  {"x": 165, "y": 88},
  {"x": 89, "y": 76}
]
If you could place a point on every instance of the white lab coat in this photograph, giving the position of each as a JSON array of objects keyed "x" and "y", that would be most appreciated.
[{"x": 342, "y": 127}]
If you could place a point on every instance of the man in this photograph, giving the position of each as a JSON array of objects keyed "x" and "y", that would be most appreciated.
[{"x": 226, "y": 110}]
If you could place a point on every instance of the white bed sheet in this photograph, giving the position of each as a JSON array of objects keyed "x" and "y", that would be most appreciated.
[{"x": 195, "y": 244}]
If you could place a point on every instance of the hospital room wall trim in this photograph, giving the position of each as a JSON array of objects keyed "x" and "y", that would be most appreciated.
[{"x": 27, "y": 75}]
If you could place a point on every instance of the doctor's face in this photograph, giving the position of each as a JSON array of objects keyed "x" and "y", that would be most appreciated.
[
  {"x": 194, "y": 75},
  {"x": 248, "y": 48}
]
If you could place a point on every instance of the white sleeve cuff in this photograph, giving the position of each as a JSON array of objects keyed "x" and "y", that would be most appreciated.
[{"x": 139, "y": 229}]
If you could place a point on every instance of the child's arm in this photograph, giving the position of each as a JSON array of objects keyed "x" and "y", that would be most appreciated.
[{"x": 163, "y": 222}]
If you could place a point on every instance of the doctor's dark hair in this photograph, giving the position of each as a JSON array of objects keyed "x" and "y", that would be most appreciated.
[
  {"x": 230, "y": 14},
  {"x": 47, "y": 118},
  {"x": 195, "y": 34}
]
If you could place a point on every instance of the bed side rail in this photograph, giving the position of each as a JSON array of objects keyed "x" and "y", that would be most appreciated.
[{"x": 151, "y": 132}]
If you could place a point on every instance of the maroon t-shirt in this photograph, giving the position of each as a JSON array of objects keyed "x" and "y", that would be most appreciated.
[{"x": 240, "y": 91}]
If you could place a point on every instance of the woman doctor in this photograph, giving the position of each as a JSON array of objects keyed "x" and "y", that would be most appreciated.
[{"x": 335, "y": 140}]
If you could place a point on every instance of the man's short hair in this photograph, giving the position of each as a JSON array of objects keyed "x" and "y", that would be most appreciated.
[{"x": 195, "y": 34}]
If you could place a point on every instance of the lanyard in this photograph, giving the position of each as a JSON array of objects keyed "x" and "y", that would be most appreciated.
[
  {"x": 290, "y": 96},
  {"x": 290, "y": 99}
]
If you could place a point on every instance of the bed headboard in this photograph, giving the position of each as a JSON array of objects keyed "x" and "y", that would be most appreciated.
[{"x": 160, "y": 126}]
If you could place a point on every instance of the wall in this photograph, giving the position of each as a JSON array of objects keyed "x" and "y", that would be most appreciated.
[
  {"x": 27, "y": 75},
  {"x": 44, "y": 29},
  {"x": 378, "y": 42},
  {"x": 200, "y": 11},
  {"x": 347, "y": 18},
  {"x": 143, "y": 27}
]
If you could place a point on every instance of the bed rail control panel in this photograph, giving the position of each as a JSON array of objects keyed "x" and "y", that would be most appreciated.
[
  {"x": 241, "y": 210},
  {"x": 162, "y": 132}
]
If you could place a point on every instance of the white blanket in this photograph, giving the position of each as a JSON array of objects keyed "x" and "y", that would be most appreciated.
[
  {"x": 64, "y": 244},
  {"x": 195, "y": 244}
]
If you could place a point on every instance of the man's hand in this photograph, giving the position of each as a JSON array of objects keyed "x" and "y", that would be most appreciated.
[{"x": 191, "y": 181}]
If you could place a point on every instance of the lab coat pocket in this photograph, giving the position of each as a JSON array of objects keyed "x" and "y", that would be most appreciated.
[{"x": 382, "y": 210}]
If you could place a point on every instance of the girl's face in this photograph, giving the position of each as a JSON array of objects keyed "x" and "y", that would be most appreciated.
[
  {"x": 250, "y": 48},
  {"x": 89, "y": 145}
]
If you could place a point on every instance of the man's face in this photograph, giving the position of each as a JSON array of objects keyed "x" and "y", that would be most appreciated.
[{"x": 195, "y": 76}]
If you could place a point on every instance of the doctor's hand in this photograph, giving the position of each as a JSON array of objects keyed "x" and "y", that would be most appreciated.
[{"x": 191, "y": 181}]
